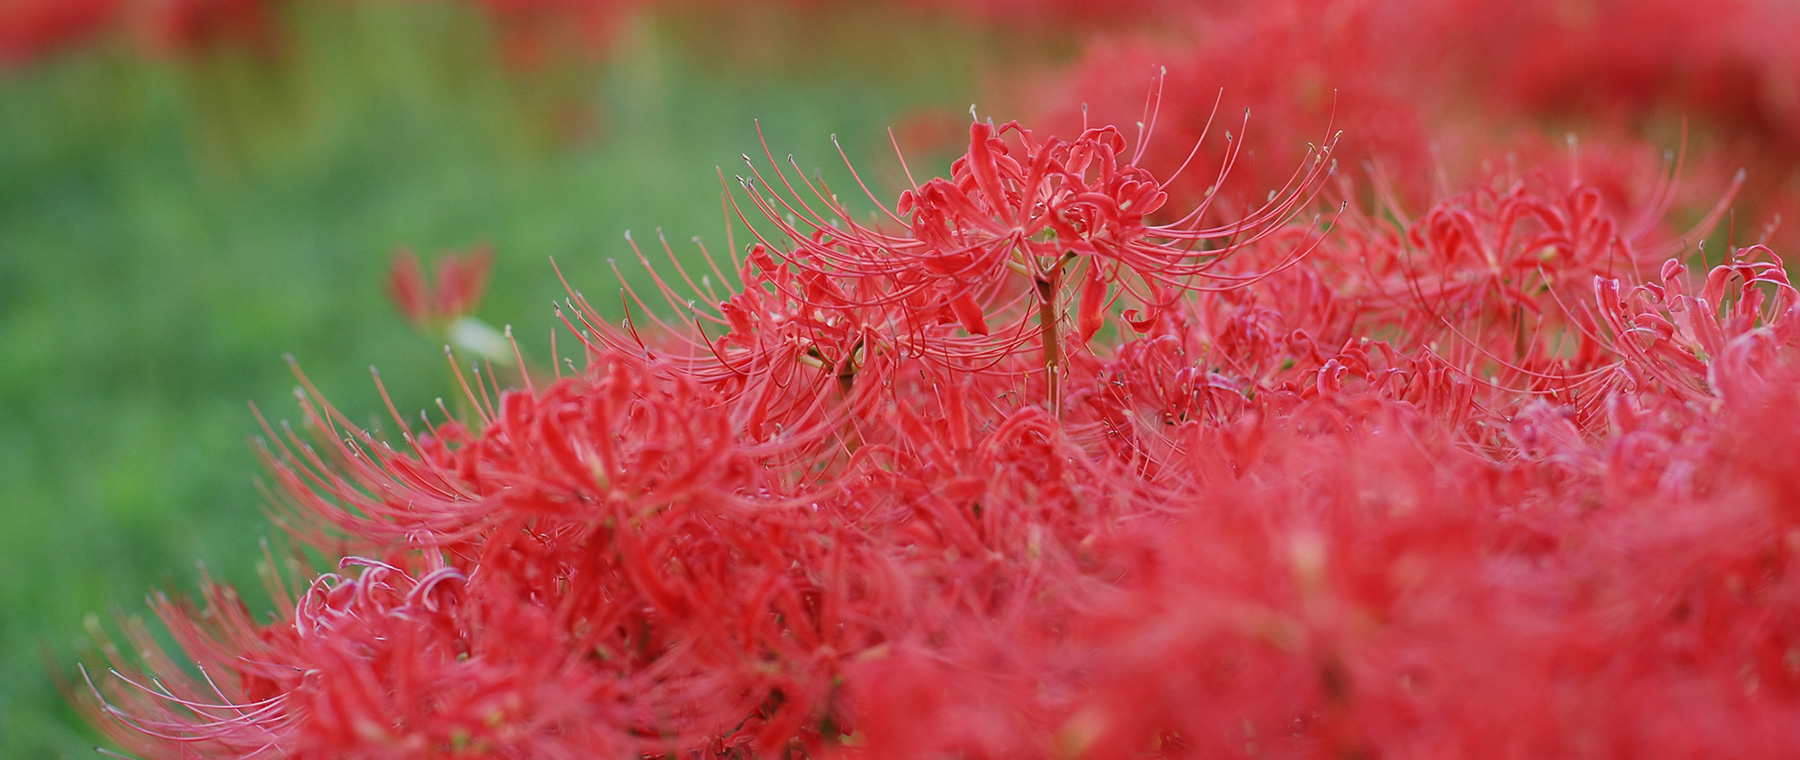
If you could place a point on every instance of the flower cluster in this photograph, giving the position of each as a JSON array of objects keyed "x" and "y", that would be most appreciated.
[
  {"x": 1427, "y": 91},
  {"x": 1032, "y": 465}
]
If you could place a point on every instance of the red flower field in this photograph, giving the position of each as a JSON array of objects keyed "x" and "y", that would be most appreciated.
[{"x": 1360, "y": 426}]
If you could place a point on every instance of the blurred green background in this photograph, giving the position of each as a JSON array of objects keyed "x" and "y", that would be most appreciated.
[{"x": 169, "y": 228}]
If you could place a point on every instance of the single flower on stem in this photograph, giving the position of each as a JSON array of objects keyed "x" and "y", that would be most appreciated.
[{"x": 445, "y": 312}]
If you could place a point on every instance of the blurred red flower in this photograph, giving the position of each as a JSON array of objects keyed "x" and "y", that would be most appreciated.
[
  {"x": 186, "y": 27},
  {"x": 32, "y": 29},
  {"x": 461, "y": 279}
]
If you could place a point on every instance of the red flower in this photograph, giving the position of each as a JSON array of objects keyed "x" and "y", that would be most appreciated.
[
  {"x": 461, "y": 280},
  {"x": 187, "y": 27},
  {"x": 533, "y": 31},
  {"x": 33, "y": 29},
  {"x": 1469, "y": 485}
]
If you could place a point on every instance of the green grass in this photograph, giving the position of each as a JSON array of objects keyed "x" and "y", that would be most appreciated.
[{"x": 169, "y": 230}]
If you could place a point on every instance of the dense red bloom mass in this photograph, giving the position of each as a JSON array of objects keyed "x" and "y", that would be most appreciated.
[
  {"x": 1424, "y": 90},
  {"x": 1505, "y": 478},
  {"x": 1090, "y": 448}
]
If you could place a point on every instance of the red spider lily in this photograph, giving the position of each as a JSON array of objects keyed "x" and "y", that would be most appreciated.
[
  {"x": 1468, "y": 485},
  {"x": 619, "y": 590},
  {"x": 186, "y": 27},
  {"x": 461, "y": 281},
  {"x": 1667, "y": 336},
  {"x": 1059, "y": 16},
  {"x": 1428, "y": 88},
  {"x": 1723, "y": 63},
  {"x": 989, "y": 250},
  {"x": 1347, "y": 615},
  {"x": 33, "y": 29},
  {"x": 1299, "y": 69},
  {"x": 1502, "y": 250},
  {"x": 532, "y": 31}
]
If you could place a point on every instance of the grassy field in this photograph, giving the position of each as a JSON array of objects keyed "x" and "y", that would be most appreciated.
[{"x": 170, "y": 229}]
